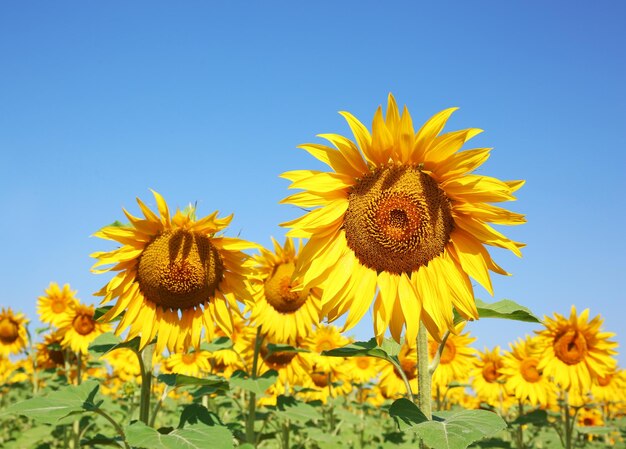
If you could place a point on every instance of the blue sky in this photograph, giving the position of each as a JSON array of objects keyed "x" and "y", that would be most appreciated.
[{"x": 206, "y": 102}]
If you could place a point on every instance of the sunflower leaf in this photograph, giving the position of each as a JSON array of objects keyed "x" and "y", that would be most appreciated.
[
  {"x": 274, "y": 348},
  {"x": 181, "y": 380},
  {"x": 292, "y": 409},
  {"x": 259, "y": 385},
  {"x": 219, "y": 344},
  {"x": 195, "y": 436},
  {"x": 366, "y": 349},
  {"x": 448, "y": 430},
  {"x": 504, "y": 309},
  {"x": 537, "y": 417},
  {"x": 108, "y": 342}
]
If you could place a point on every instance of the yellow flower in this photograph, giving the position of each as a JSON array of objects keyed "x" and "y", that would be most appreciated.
[
  {"x": 391, "y": 384},
  {"x": 488, "y": 381},
  {"x": 50, "y": 354},
  {"x": 175, "y": 277},
  {"x": 575, "y": 351},
  {"x": 400, "y": 213},
  {"x": 54, "y": 306},
  {"x": 456, "y": 361},
  {"x": 13, "y": 335},
  {"x": 194, "y": 363},
  {"x": 324, "y": 338},
  {"x": 363, "y": 370},
  {"x": 284, "y": 315},
  {"x": 523, "y": 377},
  {"x": 79, "y": 328},
  {"x": 610, "y": 388}
]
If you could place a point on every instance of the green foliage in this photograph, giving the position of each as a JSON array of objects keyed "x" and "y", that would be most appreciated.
[
  {"x": 258, "y": 386},
  {"x": 388, "y": 351},
  {"x": 288, "y": 407},
  {"x": 504, "y": 309},
  {"x": 107, "y": 342},
  {"x": 181, "y": 380},
  {"x": 219, "y": 344},
  {"x": 195, "y": 436}
]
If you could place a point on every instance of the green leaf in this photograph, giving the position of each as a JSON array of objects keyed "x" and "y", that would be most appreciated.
[
  {"x": 101, "y": 311},
  {"x": 274, "y": 348},
  {"x": 181, "y": 380},
  {"x": 259, "y": 385},
  {"x": 290, "y": 408},
  {"x": 108, "y": 342},
  {"x": 194, "y": 413},
  {"x": 537, "y": 417},
  {"x": 449, "y": 430},
  {"x": 595, "y": 430},
  {"x": 219, "y": 344},
  {"x": 365, "y": 349},
  {"x": 504, "y": 309},
  {"x": 59, "y": 404},
  {"x": 196, "y": 436}
]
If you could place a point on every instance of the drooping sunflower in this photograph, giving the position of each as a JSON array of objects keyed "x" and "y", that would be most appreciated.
[
  {"x": 401, "y": 212},
  {"x": 176, "y": 276},
  {"x": 576, "y": 351},
  {"x": 523, "y": 377},
  {"x": 488, "y": 381},
  {"x": 285, "y": 315},
  {"x": 79, "y": 328},
  {"x": 13, "y": 335},
  {"x": 456, "y": 361},
  {"x": 54, "y": 306}
]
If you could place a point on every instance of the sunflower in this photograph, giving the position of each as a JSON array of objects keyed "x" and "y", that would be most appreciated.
[
  {"x": 175, "y": 276},
  {"x": 611, "y": 388},
  {"x": 284, "y": 314},
  {"x": 50, "y": 353},
  {"x": 363, "y": 370},
  {"x": 79, "y": 328},
  {"x": 391, "y": 384},
  {"x": 575, "y": 351},
  {"x": 194, "y": 363},
  {"x": 54, "y": 306},
  {"x": 401, "y": 213},
  {"x": 456, "y": 360},
  {"x": 523, "y": 378},
  {"x": 13, "y": 335},
  {"x": 324, "y": 338},
  {"x": 488, "y": 380}
]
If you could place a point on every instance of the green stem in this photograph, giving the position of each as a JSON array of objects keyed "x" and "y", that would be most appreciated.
[
  {"x": 145, "y": 363},
  {"x": 286, "y": 434},
  {"x": 407, "y": 384},
  {"x": 520, "y": 427},
  {"x": 423, "y": 373},
  {"x": 250, "y": 436},
  {"x": 117, "y": 427}
]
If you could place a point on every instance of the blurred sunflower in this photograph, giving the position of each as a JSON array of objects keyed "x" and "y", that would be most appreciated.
[
  {"x": 79, "y": 328},
  {"x": 324, "y": 338},
  {"x": 285, "y": 315},
  {"x": 400, "y": 213},
  {"x": 194, "y": 363},
  {"x": 54, "y": 306},
  {"x": 575, "y": 351},
  {"x": 610, "y": 388},
  {"x": 523, "y": 377},
  {"x": 488, "y": 381},
  {"x": 175, "y": 277},
  {"x": 363, "y": 370},
  {"x": 456, "y": 361},
  {"x": 13, "y": 335},
  {"x": 50, "y": 353}
]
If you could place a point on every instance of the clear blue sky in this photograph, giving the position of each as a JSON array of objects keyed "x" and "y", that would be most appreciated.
[{"x": 206, "y": 102}]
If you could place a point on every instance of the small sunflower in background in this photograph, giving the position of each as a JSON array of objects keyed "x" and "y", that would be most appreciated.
[
  {"x": 285, "y": 312},
  {"x": 176, "y": 276},
  {"x": 488, "y": 380},
  {"x": 79, "y": 328},
  {"x": 456, "y": 361},
  {"x": 523, "y": 377},
  {"x": 54, "y": 306},
  {"x": 576, "y": 351},
  {"x": 50, "y": 353},
  {"x": 400, "y": 213},
  {"x": 13, "y": 334},
  {"x": 194, "y": 363},
  {"x": 363, "y": 370},
  {"x": 324, "y": 338},
  {"x": 610, "y": 390}
]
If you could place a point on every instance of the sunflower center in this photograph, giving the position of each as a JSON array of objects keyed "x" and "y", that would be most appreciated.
[
  {"x": 277, "y": 360},
  {"x": 320, "y": 380},
  {"x": 363, "y": 362},
  {"x": 278, "y": 290},
  {"x": 529, "y": 371},
  {"x": 448, "y": 354},
  {"x": 179, "y": 270},
  {"x": 84, "y": 324},
  {"x": 588, "y": 422},
  {"x": 324, "y": 345},
  {"x": 9, "y": 331},
  {"x": 570, "y": 347},
  {"x": 490, "y": 372},
  {"x": 189, "y": 359},
  {"x": 409, "y": 367},
  {"x": 398, "y": 219},
  {"x": 603, "y": 381},
  {"x": 58, "y": 305}
]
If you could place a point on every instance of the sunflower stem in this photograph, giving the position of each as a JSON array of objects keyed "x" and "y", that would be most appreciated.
[
  {"x": 145, "y": 364},
  {"x": 424, "y": 380},
  {"x": 250, "y": 436}
]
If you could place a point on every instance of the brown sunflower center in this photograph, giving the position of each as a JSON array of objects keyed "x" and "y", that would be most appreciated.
[
  {"x": 588, "y": 422},
  {"x": 278, "y": 290},
  {"x": 179, "y": 270},
  {"x": 490, "y": 372},
  {"x": 448, "y": 353},
  {"x": 9, "y": 331},
  {"x": 277, "y": 360},
  {"x": 398, "y": 219},
  {"x": 83, "y": 323},
  {"x": 58, "y": 305},
  {"x": 529, "y": 371},
  {"x": 603, "y": 381},
  {"x": 409, "y": 367},
  {"x": 320, "y": 379},
  {"x": 570, "y": 347}
]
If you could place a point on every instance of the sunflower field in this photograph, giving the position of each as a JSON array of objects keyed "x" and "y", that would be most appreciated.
[{"x": 205, "y": 340}]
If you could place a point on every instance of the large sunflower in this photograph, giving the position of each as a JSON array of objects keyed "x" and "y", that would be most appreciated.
[
  {"x": 400, "y": 212},
  {"x": 285, "y": 315},
  {"x": 575, "y": 351},
  {"x": 13, "y": 335},
  {"x": 55, "y": 305},
  {"x": 176, "y": 276}
]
